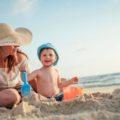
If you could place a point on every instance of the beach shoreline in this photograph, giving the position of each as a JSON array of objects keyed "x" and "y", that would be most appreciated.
[{"x": 102, "y": 89}]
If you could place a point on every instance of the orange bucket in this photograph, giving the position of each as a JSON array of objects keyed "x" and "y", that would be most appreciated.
[{"x": 72, "y": 92}]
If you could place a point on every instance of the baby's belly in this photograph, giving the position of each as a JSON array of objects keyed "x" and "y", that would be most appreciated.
[{"x": 48, "y": 92}]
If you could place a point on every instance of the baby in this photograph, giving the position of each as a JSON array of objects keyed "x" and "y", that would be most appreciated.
[{"x": 47, "y": 78}]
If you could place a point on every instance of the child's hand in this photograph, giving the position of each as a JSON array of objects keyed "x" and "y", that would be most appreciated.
[{"x": 74, "y": 80}]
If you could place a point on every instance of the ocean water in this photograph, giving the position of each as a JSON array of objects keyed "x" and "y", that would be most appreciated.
[{"x": 100, "y": 80}]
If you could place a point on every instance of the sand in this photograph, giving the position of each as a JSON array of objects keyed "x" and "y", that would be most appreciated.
[
  {"x": 90, "y": 106},
  {"x": 103, "y": 89}
]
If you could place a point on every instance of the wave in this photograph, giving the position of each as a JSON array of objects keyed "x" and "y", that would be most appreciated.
[{"x": 100, "y": 80}]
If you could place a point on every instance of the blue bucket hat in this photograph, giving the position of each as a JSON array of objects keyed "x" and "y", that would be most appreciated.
[{"x": 47, "y": 46}]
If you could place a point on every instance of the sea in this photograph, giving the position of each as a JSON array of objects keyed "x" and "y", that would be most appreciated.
[{"x": 105, "y": 80}]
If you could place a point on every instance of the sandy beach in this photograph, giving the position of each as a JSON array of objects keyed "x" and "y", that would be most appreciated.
[
  {"x": 92, "y": 106},
  {"x": 103, "y": 89}
]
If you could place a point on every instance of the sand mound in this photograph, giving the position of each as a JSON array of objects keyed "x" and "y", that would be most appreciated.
[{"x": 95, "y": 106}]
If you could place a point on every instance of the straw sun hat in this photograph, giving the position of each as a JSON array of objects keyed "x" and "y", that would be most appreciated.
[{"x": 11, "y": 36}]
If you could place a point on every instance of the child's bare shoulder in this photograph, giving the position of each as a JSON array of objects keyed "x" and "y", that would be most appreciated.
[{"x": 37, "y": 72}]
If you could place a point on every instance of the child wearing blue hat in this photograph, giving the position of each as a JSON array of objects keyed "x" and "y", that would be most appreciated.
[{"x": 47, "y": 78}]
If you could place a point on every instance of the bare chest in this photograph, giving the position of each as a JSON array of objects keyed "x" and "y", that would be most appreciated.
[{"x": 50, "y": 77}]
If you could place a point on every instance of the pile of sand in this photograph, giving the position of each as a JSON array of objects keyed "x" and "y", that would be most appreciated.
[{"x": 95, "y": 106}]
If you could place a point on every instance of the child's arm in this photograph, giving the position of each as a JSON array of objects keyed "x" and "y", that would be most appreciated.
[
  {"x": 66, "y": 83},
  {"x": 33, "y": 84},
  {"x": 32, "y": 75},
  {"x": 74, "y": 80},
  {"x": 32, "y": 79}
]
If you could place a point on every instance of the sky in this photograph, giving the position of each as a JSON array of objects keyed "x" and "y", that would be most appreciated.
[{"x": 86, "y": 33}]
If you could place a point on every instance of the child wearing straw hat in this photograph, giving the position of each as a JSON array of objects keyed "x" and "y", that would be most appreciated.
[
  {"x": 12, "y": 62},
  {"x": 47, "y": 79}
]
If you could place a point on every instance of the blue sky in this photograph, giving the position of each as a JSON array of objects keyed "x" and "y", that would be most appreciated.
[{"x": 85, "y": 32}]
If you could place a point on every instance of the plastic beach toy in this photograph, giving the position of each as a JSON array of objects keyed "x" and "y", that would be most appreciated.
[
  {"x": 25, "y": 89},
  {"x": 72, "y": 92}
]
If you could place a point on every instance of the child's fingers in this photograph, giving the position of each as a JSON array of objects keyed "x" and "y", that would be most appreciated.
[{"x": 76, "y": 79}]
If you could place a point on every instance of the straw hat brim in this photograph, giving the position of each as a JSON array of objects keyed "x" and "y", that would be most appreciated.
[{"x": 18, "y": 37}]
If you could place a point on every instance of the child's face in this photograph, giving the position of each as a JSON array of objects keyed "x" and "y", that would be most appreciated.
[{"x": 48, "y": 57}]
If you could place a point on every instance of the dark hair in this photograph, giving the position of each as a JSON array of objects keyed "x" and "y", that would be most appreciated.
[{"x": 11, "y": 61}]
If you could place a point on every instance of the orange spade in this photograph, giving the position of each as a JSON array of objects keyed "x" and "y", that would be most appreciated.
[{"x": 72, "y": 92}]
